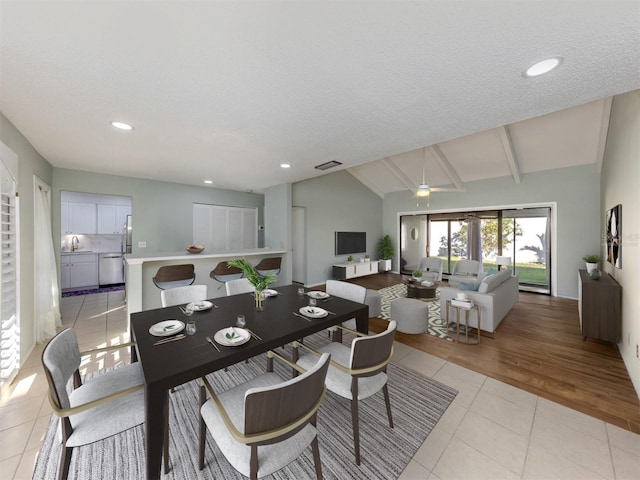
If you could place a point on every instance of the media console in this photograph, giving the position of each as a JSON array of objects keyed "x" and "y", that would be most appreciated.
[{"x": 344, "y": 271}]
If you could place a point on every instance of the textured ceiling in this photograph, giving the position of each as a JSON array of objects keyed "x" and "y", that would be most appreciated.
[{"x": 229, "y": 90}]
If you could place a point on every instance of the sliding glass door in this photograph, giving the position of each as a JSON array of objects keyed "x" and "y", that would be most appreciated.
[
  {"x": 530, "y": 250},
  {"x": 522, "y": 235}
]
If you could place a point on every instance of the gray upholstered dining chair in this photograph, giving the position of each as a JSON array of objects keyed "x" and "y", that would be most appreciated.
[
  {"x": 181, "y": 295},
  {"x": 356, "y": 373},
  {"x": 432, "y": 265},
  {"x": 266, "y": 423},
  {"x": 241, "y": 285},
  {"x": 105, "y": 405},
  {"x": 348, "y": 291}
]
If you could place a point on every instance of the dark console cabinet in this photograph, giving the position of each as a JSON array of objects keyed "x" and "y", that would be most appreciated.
[{"x": 599, "y": 306}]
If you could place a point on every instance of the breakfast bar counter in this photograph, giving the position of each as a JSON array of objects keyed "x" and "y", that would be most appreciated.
[{"x": 142, "y": 294}]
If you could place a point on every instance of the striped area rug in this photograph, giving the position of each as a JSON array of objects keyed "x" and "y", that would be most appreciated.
[
  {"x": 437, "y": 326},
  {"x": 417, "y": 403}
]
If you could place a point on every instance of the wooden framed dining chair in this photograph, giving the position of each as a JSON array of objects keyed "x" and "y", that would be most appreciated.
[
  {"x": 181, "y": 295},
  {"x": 224, "y": 273},
  {"x": 170, "y": 276},
  {"x": 105, "y": 405},
  {"x": 266, "y": 413},
  {"x": 356, "y": 373}
]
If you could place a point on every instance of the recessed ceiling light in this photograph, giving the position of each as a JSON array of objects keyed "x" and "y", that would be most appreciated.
[
  {"x": 542, "y": 67},
  {"x": 121, "y": 125},
  {"x": 285, "y": 165},
  {"x": 208, "y": 181}
]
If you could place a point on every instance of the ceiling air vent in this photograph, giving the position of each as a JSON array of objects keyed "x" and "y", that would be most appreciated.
[{"x": 328, "y": 165}]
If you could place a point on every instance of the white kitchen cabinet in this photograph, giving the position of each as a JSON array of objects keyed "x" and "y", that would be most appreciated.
[
  {"x": 79, "y": 270},
  {"x": 111, "y": 218},
  {"x": 77, "y": 218}
]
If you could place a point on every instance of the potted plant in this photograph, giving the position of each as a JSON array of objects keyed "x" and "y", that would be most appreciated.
[
  {"x": 367, "y": 258},
  {"x": 592, "y": 262},
  {"x": 350, "y": 259},
  {"x": 258, "y": 281},
  {"x": 417, "y": 275},
  {"x": 385, "y": 252}
]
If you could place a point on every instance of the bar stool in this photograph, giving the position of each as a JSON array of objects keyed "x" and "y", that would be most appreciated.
[
  {"x": 269, "y": 265},
  {"x": 223, "y": 273},
  {"x": 170, "y": 276}
]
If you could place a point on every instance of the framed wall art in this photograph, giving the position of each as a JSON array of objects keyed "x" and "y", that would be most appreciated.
[{"x": 614, "y": 236}]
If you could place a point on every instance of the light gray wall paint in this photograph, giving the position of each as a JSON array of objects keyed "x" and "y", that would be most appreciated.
[
  {"x": 576, "y": 191},
  {"x": 621, "y": 185},
  {"x": 30, "y": 163},
  {"x": 336, "y": 202},
  {"x": 277, "y": 232},
  {"x": 162, "y": 212}
]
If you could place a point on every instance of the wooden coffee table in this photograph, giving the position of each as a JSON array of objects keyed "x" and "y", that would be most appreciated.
[{"x": 415, "y": 290}]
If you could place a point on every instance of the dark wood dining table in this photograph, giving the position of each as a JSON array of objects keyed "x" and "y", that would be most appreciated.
[{"x": 174, "y": 363}]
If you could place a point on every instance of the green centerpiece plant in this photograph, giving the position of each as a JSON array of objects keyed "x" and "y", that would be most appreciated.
[{"x": 259, "y": 282}]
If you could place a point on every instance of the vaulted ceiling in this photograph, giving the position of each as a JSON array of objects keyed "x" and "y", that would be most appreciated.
[{"x": 228, "y": 91}]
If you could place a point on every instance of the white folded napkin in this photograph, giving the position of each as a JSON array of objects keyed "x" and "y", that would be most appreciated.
[{"x": 232, "y": 332}]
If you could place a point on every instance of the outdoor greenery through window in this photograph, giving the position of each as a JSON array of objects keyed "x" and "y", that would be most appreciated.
[{"x": 522, "y": 235}]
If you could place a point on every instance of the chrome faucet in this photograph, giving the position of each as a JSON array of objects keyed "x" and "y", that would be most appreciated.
[{"x": 74, "y": 243}]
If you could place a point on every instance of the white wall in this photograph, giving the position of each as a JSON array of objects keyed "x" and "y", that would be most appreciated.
[
  {"x": 575, "y": 190},
  {"x": 162, "y": 212},
  {"x": 336, "y": 202},
  {"x": 30, "y": 163},
  {"x": 621, "y": 185},
  {"x": 277, "y": 233}
]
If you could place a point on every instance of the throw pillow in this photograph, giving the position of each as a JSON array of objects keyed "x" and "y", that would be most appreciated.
[{"x": 468, "y": 286}]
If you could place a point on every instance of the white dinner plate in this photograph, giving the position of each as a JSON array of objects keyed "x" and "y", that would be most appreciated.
[
  {"x": 313, "y": 312},
  {"x": 201, "y": 305},
  {"x": 166, "y": 328},
  {"x": 240, "y": 336},
  {"x": 318, "y": 294},
  {"x": 268, "y": 292}
]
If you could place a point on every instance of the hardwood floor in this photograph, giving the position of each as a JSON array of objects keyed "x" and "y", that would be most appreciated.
[{"x": 538, "y": 348}]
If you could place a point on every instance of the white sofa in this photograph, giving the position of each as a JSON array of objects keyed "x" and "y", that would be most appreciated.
[{"x": 496, "y": 296}]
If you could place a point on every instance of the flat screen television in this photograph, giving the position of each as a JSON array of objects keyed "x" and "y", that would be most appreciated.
[{"x": 351, "y": 242}]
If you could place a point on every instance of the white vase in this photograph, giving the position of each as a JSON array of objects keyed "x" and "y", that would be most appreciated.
[{"x": 591, "y": 266}]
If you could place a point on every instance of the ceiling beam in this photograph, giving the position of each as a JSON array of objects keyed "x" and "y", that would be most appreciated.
[
  {"x": 604, "y": 130},
  {"x": 444, "y": 163},
  {"x": 366, "y": 181},
  {"x": 393, "y": 168},
  {"x": 510, "y": 153}
]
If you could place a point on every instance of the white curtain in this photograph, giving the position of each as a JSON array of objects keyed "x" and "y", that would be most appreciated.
[{"x": 47, "y": 292}]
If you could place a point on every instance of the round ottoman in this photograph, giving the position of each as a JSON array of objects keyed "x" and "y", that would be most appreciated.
[{"x": 412, "y": 315}]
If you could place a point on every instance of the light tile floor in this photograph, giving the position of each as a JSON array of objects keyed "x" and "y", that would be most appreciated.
[{"x": 490, "y": 431}]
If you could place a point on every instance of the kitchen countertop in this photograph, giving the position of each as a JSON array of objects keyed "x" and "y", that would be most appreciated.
[
  {"x": 132, "y": 259},
  {"x": 89, "y": 252}
]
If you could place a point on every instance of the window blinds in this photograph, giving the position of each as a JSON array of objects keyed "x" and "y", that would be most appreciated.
[{"x": 9, "y": 327}]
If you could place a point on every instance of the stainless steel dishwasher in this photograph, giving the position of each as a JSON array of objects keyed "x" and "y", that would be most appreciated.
[{"x": 111, "y": 269}]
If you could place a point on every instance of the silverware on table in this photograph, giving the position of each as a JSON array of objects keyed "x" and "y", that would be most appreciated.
[
  {"x": 253, "y": 334},
  {"x": 210, "y": 340},
  {"x": 170, "y": 339},
  {"x": 301, "y": 316}
]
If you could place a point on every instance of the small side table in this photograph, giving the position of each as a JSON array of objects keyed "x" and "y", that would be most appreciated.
[{"x": 465, "y": 311}]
